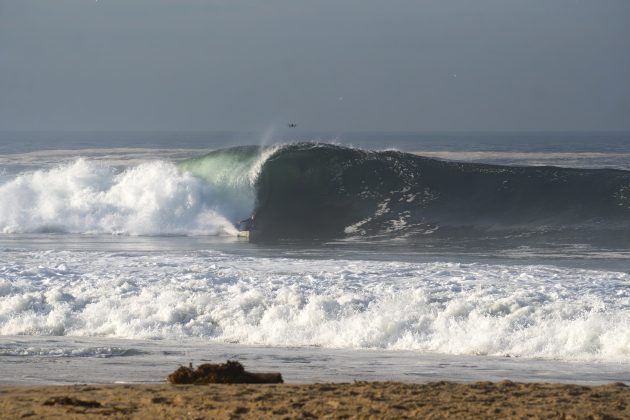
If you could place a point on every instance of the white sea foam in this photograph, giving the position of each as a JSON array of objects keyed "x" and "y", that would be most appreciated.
[
  {"x": 152, "y": 198},
  {"x": 524, "y": 311},
  {"x": 52, "y": 351}
]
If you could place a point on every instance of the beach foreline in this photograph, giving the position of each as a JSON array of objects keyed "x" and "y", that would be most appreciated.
[{"x": 503, "y": 399}]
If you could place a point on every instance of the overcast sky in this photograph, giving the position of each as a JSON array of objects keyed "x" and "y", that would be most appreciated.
[{"x": 353, "y": 65}]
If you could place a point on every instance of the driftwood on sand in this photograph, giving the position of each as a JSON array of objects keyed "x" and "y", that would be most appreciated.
[{"x": 231, "y": 372}]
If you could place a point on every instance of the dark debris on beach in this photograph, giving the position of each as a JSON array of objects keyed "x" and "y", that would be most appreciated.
[{"x": 231, "y": 372}]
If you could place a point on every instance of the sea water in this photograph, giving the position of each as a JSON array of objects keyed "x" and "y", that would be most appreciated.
[{"x": 118, "y": 262}]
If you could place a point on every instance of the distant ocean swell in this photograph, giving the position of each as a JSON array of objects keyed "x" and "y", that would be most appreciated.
[
  {"x": 520, "y": 311},
  {"x": 310, "y": 190}
]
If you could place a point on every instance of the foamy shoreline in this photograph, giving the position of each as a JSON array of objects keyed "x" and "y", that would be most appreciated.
[{"x": 358, "y": 400}]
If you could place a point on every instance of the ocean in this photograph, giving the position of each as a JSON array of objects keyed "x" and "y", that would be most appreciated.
[{"x": 373, "y": 256}]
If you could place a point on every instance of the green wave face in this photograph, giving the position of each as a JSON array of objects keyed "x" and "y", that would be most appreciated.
[
  {"x": 231, "y": 174},
  {"x": 227, "y": 168}
]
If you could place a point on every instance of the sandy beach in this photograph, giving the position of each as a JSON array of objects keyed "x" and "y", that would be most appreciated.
[{"x": 357, "y": 400}]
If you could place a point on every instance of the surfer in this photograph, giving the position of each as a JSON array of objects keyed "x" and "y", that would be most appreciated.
[
  {"x": 246, "y": 224},
  {"x": 292, "y": 125}
]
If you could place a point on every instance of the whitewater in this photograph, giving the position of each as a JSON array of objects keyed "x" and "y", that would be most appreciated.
[
  {"x": 132, "y": 255},
  {"x": 453, "y": 308}
]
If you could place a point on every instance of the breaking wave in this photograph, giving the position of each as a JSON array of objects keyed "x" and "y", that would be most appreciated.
[
  {"x": 85, "y": 197},
  {"x": 311, "y": 190}
]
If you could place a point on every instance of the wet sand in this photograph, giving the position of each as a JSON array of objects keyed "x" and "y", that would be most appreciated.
[{"x": 358, "y": 400}]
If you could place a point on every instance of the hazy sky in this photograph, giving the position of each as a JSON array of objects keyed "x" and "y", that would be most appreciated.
[{"x": 353, "y": 65}]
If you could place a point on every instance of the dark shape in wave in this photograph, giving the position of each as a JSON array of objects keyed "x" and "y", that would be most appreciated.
[{"x": 311, "y": 190}]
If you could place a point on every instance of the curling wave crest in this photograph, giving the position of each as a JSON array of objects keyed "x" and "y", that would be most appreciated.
[{"x": 453, "y": 308}]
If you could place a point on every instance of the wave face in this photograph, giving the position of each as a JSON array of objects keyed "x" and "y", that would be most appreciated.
[
  {"x": 450, "y": 308},
  {"x": 232, "y": 174},
  {"x": 327, "y": 190}
]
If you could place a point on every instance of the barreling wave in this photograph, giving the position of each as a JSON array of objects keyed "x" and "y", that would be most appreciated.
[
  {"x": 313, "y": 190},
  {"x": 327, "y": 190}
]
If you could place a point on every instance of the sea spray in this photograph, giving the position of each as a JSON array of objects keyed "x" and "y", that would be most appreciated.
[{"x": 153, "y": 198}]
